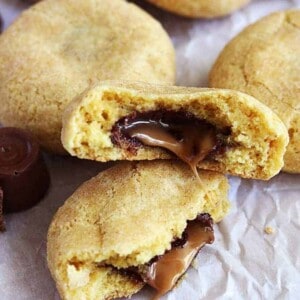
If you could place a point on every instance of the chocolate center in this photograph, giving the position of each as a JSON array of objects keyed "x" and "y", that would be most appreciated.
[
  {"x": 163, "y": 272},
  {"x": 189, "y": 138},
  {"x": 168, "y": 269}
]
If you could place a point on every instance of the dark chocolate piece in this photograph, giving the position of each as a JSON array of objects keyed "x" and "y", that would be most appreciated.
[
  {"x": 188, "y": 137},
  {"x": 2, "y": 225},
  {"x": 24, "y": 177}
]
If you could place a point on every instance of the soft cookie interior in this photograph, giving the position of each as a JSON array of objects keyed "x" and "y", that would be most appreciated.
[
  {"x": 123, "y": 218},
  {"x": 252, "y": 139}
]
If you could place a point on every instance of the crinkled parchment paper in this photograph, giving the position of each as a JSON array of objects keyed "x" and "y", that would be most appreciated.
[{"x": 244, "y": 262}]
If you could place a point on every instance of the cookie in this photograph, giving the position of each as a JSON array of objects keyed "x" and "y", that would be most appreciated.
[
  {"x": 122, "y": 220},
  {"x": 220, "y": 130},
  {"x": 57, "y": 48},
  {"x": 263, "y": 61},
  {"x": 200, "y": 8}
]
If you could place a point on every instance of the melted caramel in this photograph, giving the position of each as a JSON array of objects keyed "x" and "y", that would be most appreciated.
[
  {"x": 188, "y": 138},
  {"x": 192, "y": 148},
  {"x": 164, "y": 273}
]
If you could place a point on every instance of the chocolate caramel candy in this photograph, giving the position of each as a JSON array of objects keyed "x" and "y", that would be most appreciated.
[
  {"x": 189, "y": 138},
  {"x": 24, "y": 177}
]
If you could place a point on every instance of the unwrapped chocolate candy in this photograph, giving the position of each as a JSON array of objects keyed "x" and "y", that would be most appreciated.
[{"x": 24, "y": 177}]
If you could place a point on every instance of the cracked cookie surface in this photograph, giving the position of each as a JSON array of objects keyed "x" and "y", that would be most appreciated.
[
  {"x": 57, "y": 48},
  {"x": 263, "y": 61}
]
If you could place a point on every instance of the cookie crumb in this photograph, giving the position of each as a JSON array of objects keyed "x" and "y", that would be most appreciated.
[
  {"x": 195, "y": 264},
  {"x": 269, "y": 230}
]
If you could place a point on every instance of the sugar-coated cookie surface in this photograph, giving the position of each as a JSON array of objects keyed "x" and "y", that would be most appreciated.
[
  {"x": 124, "y": 217},
  {"x": 256, "y": 143},
  {"x": 263, "y": 61},
  {"x": 200, "y": 8},
  {"x": 57, "y": 48}
]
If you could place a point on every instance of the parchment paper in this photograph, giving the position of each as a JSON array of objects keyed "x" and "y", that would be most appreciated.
[{"x": 244, "y": 262}]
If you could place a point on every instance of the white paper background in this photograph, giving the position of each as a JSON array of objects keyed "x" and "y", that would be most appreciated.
[{"x": 244, "y": 262}]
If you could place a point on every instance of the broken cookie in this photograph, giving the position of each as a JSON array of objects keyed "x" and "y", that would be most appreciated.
[
  {"x": 120, "y": 229},
  {"x": 214, "y": 129}
]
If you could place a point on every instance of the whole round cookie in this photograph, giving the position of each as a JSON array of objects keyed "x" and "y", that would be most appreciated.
[
  {"x": 124, "y": 219},
  {"x": 263, "y": 61},
  {"x": 59, "y": 47},
  {"x": 200, "y": 8}
]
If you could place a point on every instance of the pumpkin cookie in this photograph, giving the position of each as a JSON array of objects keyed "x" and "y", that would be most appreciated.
[
  {"x": 263, "y": 61},
  {"x": 57, "y": 48},
  {"x": 200, "y": 8},
  {"x": 129, "y": 219},
  {"x": 220, "y": 130}
]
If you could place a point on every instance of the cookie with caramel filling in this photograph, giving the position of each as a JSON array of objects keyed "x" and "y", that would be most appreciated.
[
  {"x": 107, "y": 236},
  {"x": 220, "y": 130},
  {"x": 55, "y": 49}
]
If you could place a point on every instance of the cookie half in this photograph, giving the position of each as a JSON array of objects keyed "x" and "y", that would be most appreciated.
[
  {"x": 57, "y": 48},
  {"x": 263, "y": 61},
  {"x": 220, "y": 130},
  {"x": 200, "y": 8},
  {"x": 124, "y": 219}
]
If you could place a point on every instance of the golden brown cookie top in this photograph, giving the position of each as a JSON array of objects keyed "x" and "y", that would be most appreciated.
[{"x": 263, "y": 61}]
